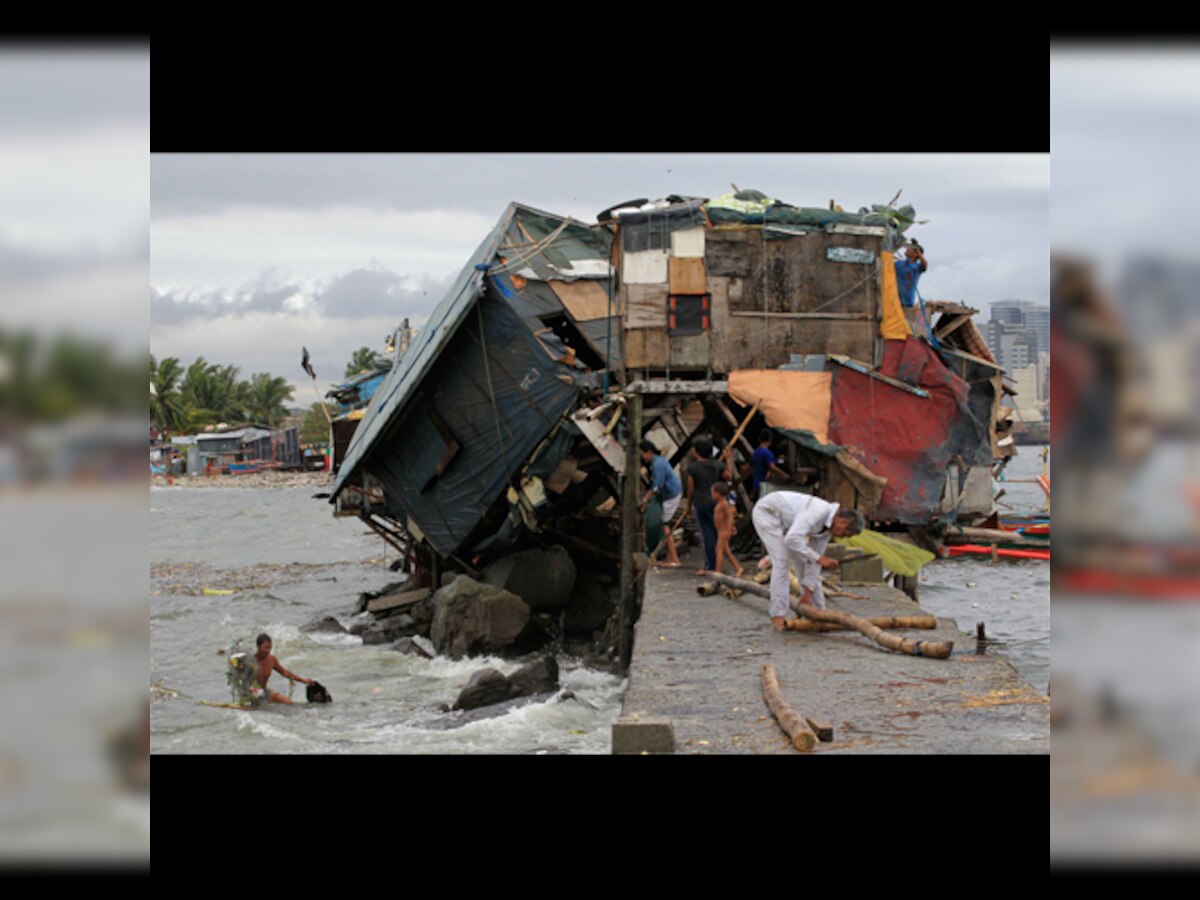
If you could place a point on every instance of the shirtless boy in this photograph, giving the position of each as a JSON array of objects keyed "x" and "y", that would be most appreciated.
[
  {"x": 267, "y": 664},
  {"x": 723, "y": 519}
]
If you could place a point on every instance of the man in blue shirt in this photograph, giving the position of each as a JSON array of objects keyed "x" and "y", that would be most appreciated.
[
  {"x": 665, "y": 483},
  {"x": 764, "y": 461},
  {"x": 908, "y": 272}
]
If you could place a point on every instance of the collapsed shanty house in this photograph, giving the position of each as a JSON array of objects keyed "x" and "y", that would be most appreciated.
[{"x": 513, "y": 416}]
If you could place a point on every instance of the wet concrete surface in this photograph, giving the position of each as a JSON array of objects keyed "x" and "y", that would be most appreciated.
[{"x": 698, "y": 661}]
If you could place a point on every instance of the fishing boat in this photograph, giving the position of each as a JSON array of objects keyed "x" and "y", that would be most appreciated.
[{"x": 243, "y": 468}]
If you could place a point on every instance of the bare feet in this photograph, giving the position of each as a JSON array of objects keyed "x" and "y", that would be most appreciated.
[
  {"x": 777, "y": 623},
  {"x": 741, "y": 572}
]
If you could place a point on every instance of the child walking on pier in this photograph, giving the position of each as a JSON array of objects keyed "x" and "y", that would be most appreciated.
[{"x": 723, "y": 519}]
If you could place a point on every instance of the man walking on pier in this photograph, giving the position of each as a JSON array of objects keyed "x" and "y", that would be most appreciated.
[{"x": 795, "y": 530}]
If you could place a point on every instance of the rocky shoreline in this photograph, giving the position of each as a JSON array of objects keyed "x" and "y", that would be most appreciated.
[
  {"x": 532, "y": 607},
  {"x": 269, "y": 479}
]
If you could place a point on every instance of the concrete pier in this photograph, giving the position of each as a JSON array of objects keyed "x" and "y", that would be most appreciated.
[{"x": 697, "y": 665}]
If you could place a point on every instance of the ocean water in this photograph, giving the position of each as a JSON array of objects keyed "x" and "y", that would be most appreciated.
[
  {"x": 1010, "y": 597},
  {"x": 289, "y": 562}
]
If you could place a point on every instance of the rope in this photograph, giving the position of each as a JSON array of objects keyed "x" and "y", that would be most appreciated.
[
  {"x": 521, "y": 259},
  {"x": 487, "y": 368}
]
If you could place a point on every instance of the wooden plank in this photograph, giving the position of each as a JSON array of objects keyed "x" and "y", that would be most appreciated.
[
  {"x": 688, "y": 351},
  {"x": 608, "y": 446},
  {"x": 646, "y": 305},
  {"x": 874, "y": 230},
  {"x": 674, "y": 386},
  {"x": 646, "y": 348},
  {"x": 584, "y": 299},
  {"x": 396, "y": 601},
  {"x": 951, "y": 326},
  {"x": 802, "y": 315},
  {"x": 822, "y": 728},
  {"x": 863, "y": 369},
  {"x": 687, "y": 276}
]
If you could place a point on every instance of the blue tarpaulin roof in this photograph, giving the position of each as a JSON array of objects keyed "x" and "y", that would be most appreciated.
[
  {"x": 495, "y": 416},
  {"x": 428, "y": 343}
]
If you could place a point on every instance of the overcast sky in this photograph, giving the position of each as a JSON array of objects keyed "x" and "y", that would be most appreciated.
[
  {"x": 74, "y": 190},
  {"x": 254, "y": 256}
]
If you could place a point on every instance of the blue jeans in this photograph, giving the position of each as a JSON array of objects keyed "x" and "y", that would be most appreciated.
[{"x": 708, "y": 534}]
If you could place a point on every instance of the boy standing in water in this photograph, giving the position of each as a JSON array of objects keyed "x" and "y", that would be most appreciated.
[
  {"x": 723, "y": 519},
  {"x": 267, "y": 664}
]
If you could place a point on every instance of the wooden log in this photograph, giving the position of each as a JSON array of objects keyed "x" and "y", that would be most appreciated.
[
  {"x": 795, "y": 727},
  {"x": 707, "y": 588},
  {"x": 934, "y": 649},
  {"x": 879, "y": 621},
  {"x": 822, "y": 728}
]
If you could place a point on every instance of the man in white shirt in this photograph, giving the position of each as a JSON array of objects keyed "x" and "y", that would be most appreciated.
[{"x": 795, "y": 530}]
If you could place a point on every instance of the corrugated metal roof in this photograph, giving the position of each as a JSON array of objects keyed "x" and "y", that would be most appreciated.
[
  {"x": 409, "y": 371},
  {"x": 574, "y": 243}
]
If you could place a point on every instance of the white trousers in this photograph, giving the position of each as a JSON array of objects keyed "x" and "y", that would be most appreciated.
[{"x": 770, "y": 530}]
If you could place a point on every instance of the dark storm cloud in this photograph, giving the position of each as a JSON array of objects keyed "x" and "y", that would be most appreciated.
[{"x": 376, "y": 291}]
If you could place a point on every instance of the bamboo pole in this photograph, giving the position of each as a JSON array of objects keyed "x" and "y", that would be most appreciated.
[
  {"x": 934, "y": 649},
  {"x": 878, "y": 621},
  {"x": 796, "y": 728},
  {"x": 728, "y": 452}
]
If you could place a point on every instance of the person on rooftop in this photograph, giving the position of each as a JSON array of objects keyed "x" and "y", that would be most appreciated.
[{"x": 908, "y": 273}]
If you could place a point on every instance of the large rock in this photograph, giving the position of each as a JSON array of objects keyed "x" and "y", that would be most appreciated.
[
  {"x": 447, "y": 723},
  {"x": 326, "y": 625},
  {"x": 471, "y": 618},
  {"x": 411, "y": 647},
  {"x": 487, "y": 686},
  {"x": 544, "y": 579},
  {"x": 384, "y": 631},
  {"x": 590, "y": 607},
  {"x": 537, "y": 677}
]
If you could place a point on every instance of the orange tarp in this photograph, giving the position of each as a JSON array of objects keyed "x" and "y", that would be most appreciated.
[
  {"x": 786, "y": 399},
  {"x": 894, "y": 326}
]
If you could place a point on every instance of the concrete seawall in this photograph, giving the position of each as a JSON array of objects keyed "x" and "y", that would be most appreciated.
[{"x": 697, "y": 665}]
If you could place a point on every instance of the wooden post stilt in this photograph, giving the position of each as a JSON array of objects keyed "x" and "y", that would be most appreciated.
[{"x": 630, "y": 526}]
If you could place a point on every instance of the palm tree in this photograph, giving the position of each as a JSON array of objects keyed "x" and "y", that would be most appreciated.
[
  {"x": 363, "y": 360},
  {"x": 214, "y": 394},
  {"x": 267, "y": 396},
  {"x": 166, "y": 406}
]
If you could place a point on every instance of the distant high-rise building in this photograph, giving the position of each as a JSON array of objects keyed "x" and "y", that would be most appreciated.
[
  {"x": 1037, "y": 319},
  {"x": 1017, "y": 332}
]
